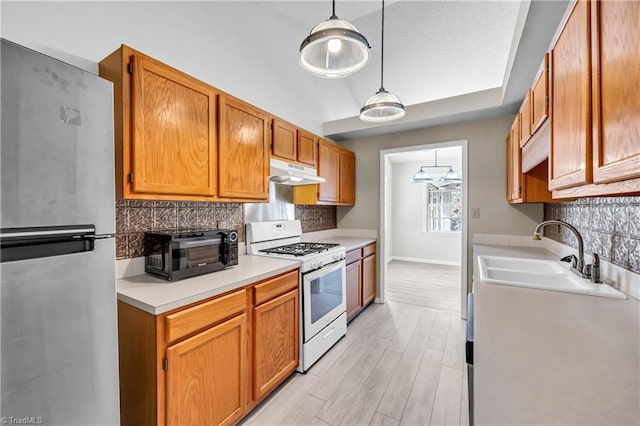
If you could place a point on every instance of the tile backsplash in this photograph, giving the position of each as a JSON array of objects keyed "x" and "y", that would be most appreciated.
[
  {"x": 316, "y": 218},
  {"x": 610, "y": 226},
  {"x": 134, "y": 217}
]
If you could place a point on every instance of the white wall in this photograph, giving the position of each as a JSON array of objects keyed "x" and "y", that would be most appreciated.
[
  {"x": 208, "y": 40},
  {"x": 487, "y": 178},
  {"x": 408, "y": 241}
]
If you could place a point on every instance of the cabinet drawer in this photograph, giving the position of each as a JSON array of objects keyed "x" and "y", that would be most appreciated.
[
  {"x": 275, "y": 287},
  {"x": 353, "y": 255},
  {"x": 369, "y": 250},
  {"x": 197, "y": 317}
]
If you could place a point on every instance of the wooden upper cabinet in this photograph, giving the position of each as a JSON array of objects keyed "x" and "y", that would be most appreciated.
[
  {"x": 570, "y": 151},
  {"x": 307, "y": 148},
  {"x": 347, "y": 186},
  {"x": 525, "y": 120},
  {"x": 243, "y": 150},
  {"x": 328, "y": 168},
  {"x": 293, "y": 144},
  {"x": 165, "y": 129},
  {"x": 616, "y": 90},
  {"x": 284, "y": 140},
  {"x": 509, "y": 168},
  {"x": 206, "y": 376},
  {"x": 540, "y": 96},
  {"x": 515, "y": 160}
]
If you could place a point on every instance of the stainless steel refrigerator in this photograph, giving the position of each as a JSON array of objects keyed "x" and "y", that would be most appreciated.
[{"x": 58, "y": 295}]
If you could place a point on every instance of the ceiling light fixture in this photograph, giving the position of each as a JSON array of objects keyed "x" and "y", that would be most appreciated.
[
  {"x": 334, "y": 49},
  {"x": 383, "y": 106},
  {"x": 449, "y": 177}
]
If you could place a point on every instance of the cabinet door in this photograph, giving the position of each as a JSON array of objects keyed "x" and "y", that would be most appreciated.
[
  {"x": 243, "y": 150},
  {"x": 173, "y": 131},
  {"x": 284, "y": 140},
  {"x": 616, "y": 85},
  {"x": 307, "y": 148},
  {"x": 509, "y": 167},
  {"x": 328, "y": 168},
  {"x": 354, "y": 288},
  {"x": 540, "y": 97},
  {"x": 525, "y": 120},
  {"x": 368, "y": 279},
  {"x": 206, "y": 376},
  {"x": 276, "y": 345},
  {"x": 570, "y": 152},
  {"x": 347, "y": 173},
  {"x": 515, "y": 157}
]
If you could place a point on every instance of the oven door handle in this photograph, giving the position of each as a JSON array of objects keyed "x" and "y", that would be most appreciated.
[{"x": 310, "y": 276}]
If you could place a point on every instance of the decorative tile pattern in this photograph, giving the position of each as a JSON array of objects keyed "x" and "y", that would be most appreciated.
[
  {"x": 610, "y": 227},
  {"x": 134, "y": 217},
  {"x": 316, "y": 218}
]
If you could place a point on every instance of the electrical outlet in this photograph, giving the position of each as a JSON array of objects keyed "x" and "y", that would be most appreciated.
[{"x": 475, "y": 213}]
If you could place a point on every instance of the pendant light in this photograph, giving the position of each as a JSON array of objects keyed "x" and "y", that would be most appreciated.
[
  {"x": 334, "y": 49},
  {"x": 450, "y": 177},
  {"x": 383, "y": 106}
]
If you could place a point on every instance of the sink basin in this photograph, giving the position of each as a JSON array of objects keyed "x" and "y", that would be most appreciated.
[
  {"x": 539, "y": 274},
  {"x": 524, "y": 264}
]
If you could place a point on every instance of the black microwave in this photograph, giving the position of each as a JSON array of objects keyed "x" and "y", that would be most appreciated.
[{"x": 174, "y": 255}]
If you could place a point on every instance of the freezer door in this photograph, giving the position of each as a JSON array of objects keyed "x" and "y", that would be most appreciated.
[
  {"x": 57, "y": 143},
  {"x": 59, "y": 338}
]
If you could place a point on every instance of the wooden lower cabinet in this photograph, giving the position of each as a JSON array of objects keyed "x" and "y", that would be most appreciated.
[
  {"x": 368, "y": 279},
  {"x": 276, "y": 345},
  {"x": 210, "y": 362},
  {"x": 361, "y": 279},
  {"x": 354, "y": 288},
  {"x": 206, "y": 376}
]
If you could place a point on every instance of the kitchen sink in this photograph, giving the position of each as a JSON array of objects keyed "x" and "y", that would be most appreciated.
[
  {"x": 539, "y": 274},
  {"x": 525, "y": 265}
]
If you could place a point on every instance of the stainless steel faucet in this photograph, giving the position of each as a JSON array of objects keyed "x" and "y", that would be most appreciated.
[{"x": 579, "y": 267}]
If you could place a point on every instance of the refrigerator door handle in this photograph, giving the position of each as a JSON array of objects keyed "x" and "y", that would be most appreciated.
[{"x": 45, "y": 241}]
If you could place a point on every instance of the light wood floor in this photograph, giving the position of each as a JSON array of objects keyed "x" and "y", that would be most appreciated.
[
  {"x": 398, "y": 364},
  {"x": 426, "y": 285}
]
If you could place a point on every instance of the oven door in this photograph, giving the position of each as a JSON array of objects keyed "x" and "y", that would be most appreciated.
[{"x": 323, "y": 297}]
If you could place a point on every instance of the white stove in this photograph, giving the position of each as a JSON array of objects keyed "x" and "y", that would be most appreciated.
[
  {"x": 283, "y": 239},
  {"x": 323, "y": 318}
]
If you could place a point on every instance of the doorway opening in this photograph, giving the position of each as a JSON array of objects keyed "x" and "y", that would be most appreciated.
[{"x": 423, "y": 238}]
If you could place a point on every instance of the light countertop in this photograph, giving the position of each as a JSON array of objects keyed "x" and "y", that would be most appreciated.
[
  {"x": 156, "y": 296},
  {"x": 547, "y": 357}
]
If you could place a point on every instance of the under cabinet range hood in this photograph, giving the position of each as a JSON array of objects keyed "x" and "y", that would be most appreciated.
[{"x": 286, "y": 173}]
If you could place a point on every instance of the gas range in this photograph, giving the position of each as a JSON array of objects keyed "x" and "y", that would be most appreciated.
[
  {"x": 323, "y": 304},
  {"x": 283, "y": 239}
]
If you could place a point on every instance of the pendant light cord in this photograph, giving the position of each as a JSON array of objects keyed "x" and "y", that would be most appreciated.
[
  {"x": 333, "y": 10},
  {"x": 382, "y": 52}
]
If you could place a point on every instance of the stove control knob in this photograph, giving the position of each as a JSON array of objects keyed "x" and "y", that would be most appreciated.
[{"x": 314, "y": 265}]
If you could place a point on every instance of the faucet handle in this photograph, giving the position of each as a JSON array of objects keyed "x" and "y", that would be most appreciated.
[
  {"x": 570, "y": 258},
  {"x": 595, "y": 269}
]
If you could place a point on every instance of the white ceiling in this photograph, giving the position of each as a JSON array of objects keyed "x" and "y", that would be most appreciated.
[
  {"x": 433, "y": 49},
  {"x": 446, "y": 60}
]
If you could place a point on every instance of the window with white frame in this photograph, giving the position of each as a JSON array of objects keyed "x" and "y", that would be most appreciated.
[{"x": 443, "y": 208}]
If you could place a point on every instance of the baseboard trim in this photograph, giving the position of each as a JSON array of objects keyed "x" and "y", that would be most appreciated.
[{"x": 421, "y": 260}]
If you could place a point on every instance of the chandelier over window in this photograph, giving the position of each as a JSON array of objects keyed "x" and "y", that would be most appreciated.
[{"x": 449, "y": 177}]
